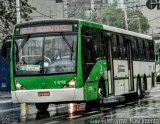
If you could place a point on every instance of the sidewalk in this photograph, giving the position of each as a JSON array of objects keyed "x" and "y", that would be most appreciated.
[{"x": 5, "y": 97}]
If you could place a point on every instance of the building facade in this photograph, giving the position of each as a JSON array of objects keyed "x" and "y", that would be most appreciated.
[{"x": 46, "y": 9}]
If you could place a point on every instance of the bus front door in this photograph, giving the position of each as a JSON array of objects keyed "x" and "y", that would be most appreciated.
[{"x": 109, "y": 60}]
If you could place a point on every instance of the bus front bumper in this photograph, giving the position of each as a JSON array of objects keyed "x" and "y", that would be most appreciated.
[{"x": 48, "y": 95}]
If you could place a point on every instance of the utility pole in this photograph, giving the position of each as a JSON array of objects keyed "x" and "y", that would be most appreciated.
[
  {"x": 126, "y": 19},
  {"x": 65, "y": 9},
  {"x": 92, "y": 9},
  {"x": 125, "y": 14},
  {"x": 139, "y": 25},
  {"x": 18, "y": 12}
]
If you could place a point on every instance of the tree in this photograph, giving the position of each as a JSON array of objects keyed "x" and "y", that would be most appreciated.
[
  {"x": 8, "y": 13},
  {"x": 114, "y": 16},
  {"x": 79, "y": 12}
]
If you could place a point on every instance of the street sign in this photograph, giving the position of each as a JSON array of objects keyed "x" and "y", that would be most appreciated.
[{"x": 151, "y": 4}]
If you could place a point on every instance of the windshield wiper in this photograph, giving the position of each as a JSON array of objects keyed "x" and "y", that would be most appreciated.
[
  {"x": 25, "y": 40},
  {"x": 70, "y": 47}
]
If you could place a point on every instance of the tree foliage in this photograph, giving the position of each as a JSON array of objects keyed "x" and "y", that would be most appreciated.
[
  {"x": 114, "y": 16},
  {"x": 8, "y": 13}
]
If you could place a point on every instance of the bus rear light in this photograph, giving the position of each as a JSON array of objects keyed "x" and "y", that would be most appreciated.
[
  {"x": 19, "y": 86},
  {"x": 71, "y": 83}
]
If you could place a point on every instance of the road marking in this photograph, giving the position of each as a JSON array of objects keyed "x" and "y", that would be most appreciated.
[
  {"x": 92, "y": 112},
  {"x": 6, "y": 101},
  {"x": 76, "y": 116},
  {"x": 7, "y": 110},
  {"x": 131, "y": 103},
  {"x": 118, "y": 106},
  {"x": 52, "y": 122},
  {"x": 107, "y": 109}
]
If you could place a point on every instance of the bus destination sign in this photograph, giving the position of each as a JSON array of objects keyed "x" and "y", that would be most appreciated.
[{"x": 43, "y": 29}]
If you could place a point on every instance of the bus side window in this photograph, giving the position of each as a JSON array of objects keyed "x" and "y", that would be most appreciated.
[
  {"x": 144, "y": 51},
  {"x": 141, "y": 52},
  {"x": 147, "y": 50},
  {"x": 98, "y": 44},
  {"x": 87, "y": 45},
  {"x": 135, "y": 49},
  {"x": 115, "y": 46},
  {"x": 118, "y": 49},
  {"x": 151, "y": 49},
  {"x": 88, "y": 48},
  {"x": 123, "y": 48}
]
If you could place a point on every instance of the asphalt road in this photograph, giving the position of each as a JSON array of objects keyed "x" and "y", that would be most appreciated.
[{"x": 146, "y": 110}]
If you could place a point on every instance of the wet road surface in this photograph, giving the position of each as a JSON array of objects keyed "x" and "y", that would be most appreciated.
[{"x": 146, "y": 110}]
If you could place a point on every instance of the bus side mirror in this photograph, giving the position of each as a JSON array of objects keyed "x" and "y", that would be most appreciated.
[{"x": 6, "y": 44}]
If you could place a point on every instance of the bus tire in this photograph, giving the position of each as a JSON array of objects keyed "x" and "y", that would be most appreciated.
[
  {"x": 42, "y": 106},
  {"x": 100, "y": 97},
  {"x": 101, "y": 91},
  {"x": 144, "y": 85},
  {"x": 139, "y": 88}
]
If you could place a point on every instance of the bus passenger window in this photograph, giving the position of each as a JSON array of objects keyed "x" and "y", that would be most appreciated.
[
  {"x": 147, "y": 50},
  {"x": 135, "y": 51},
  {"x": 115, "y": 47},
  {"x": 151, "y": 49}
]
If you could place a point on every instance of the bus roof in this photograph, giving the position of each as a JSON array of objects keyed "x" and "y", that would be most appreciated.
[
  {"x": 45, "y": 21},
  {"x": 122, "y": 31},
  {"x": 105, "y": 27},
  {"x": 131, "y": 33}
]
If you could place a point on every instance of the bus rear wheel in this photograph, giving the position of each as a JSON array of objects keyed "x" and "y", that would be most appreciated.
[
  {"x": 144, "y": 85},
  {"x": 42, "y": 106}
]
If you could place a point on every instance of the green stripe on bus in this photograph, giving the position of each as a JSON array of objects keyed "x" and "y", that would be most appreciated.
[
  {"x": 142, "y": 76},
  {"x": 120, "y": 78},
  {"x": 91, "y": 24}
]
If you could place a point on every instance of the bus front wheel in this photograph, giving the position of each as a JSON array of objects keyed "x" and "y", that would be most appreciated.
[
  {"x": 100, "y": 94},
  {"x": 42, "y": 106},
  {"x": 139, "y": 88}
]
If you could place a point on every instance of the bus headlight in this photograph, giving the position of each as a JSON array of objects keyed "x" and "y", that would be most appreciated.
[
  {"x": 71, "y": 83},
  {"x": 19, "y": 86}
]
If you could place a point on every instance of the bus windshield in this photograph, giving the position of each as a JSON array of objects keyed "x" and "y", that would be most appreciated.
[{"x": 45, "y": 54}]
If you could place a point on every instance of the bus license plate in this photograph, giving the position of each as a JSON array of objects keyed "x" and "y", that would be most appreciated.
[{"x": 43, "y": 93}]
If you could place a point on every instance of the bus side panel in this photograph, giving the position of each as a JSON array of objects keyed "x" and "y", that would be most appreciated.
[
  {"x": 90, "y": 91},
  {"x": 91, "y": 85},
  {"x": 79, "y": 82},
  {"x": 141, "y": 68},
  {"x": 121, "y": 77},
  {"x": 11, "y": 64}
]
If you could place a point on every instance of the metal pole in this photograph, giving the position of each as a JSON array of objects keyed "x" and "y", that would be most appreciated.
[
  {"x": 18, "y": 12},
  {"x": 65, "y": 9},
  {"x": 125, "y": 16},
  {"x": 125, "y": 13},
  {"x": 139, "y": 25},
  {"x": 92, "y": 9}
]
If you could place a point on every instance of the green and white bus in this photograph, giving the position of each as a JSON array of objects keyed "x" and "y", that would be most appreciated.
[{"x": 61, "y": 61}]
